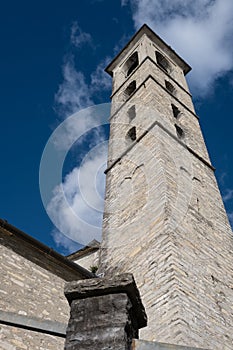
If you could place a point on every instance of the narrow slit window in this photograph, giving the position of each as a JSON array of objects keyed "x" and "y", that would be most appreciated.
[
  {"x": 170, "y": 87},
  {"x": 131, "y": 134},
  {"x": 175, "y": 111},
  {"x": 162, "y": 62},
  {"x": 131, "y": 113},
  {"x": 130, "y": 88},
  {"x": 179, "y": 131},
  {"x": 131, "y": 64}
]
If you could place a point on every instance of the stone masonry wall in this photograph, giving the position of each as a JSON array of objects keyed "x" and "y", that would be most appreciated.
[
  {"x": 164, "y": 218},
  {"x": 14, "y": 338},
  {"x": 31, "y": 291},
  {"x": 167, "y": 225}
]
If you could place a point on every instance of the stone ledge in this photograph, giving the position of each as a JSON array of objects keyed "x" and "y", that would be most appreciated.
[
  {"x": 33, "y": 323},
  {"x": 146, "y": 345},
  {"x": 123, "y": 283}
]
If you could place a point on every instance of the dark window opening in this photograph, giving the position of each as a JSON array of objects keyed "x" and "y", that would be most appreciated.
[
  {"x": 130, "y": 88},
  {"x": 170, "y": 87},
  {"x": 131, "y": 113},
  {"x": 179, "y": 131},
  {"x": 162, "y": 62},
  {"x": 131, "y": 134},
  {"x": 131, "y": 64},
  {"x": 175, "y": 111}
]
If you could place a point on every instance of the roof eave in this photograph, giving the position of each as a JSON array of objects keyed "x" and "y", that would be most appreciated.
[{"x": 154, "y": 37}]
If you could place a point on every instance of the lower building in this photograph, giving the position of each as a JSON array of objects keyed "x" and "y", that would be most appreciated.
[{"x": 33, "y": 309}]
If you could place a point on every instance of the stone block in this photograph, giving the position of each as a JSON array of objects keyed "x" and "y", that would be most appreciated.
[{"x": 106, "y": 313}]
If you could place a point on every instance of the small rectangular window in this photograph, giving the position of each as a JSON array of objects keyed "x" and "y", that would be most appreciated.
[
  {"x": 131, "y": 64},
  {"x": 130, "y": 89},
  {"x": 162, "y": 62},
  {"x": 175, "y": 111},
  {"x": 179, "y": 131},
  {"x": 131, "y": 134},
  {"x": 170, "y": 87},
  {"x": 131, "y": 113}
]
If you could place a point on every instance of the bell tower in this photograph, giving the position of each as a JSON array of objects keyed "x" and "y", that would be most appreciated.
[{"x": 164, "y": 218}]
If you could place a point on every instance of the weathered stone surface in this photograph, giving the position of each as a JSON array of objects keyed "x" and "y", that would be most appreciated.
[
  {"x": 15, "y": 338},
  {"x": 123, "y": 283},
  {"x": 145, "y": 345},
  {"x": 32, "y": 301},
  {"x": 105, "y": 313},
  {"x": 99, "y": 323},
  {"x": 164, "y": 217}
]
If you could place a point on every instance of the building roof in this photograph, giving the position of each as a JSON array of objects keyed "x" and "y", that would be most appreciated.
[
  {"x": 91, "y": 247},
  {"x": 40, "y": 254},
  {"x": 157, "y": 40}
]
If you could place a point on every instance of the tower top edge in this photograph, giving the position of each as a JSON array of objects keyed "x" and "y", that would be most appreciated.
[{"x": 146, "y": 30}]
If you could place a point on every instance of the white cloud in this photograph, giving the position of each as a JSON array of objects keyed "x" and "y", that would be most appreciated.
[
  {"x": 78, "y": 214},
  {"x": 228, "y": 195},
  {"x": 200, "y": 31},
  {"x": 100, "y": 80},
  {"x": 230, "y": 217},
  {"x": 222, "y": 178},
  {"x": 78, "y": 37},
  {"x": 124, "y": 3},
  {"x": 68, "y": 246},
  {"x": 121, "y": 43},
  {"x": 73, "y": 93}
]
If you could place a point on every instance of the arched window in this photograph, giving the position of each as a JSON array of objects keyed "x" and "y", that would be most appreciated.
[
  {"x": 162, "y": 62},
  {"x": 130, "y": 88},
  {"x": 131, "y": 134},
  {"x": 170, "y": 87},
  {"x": 131, "y": 113},
  {"x": 179, "y": 131},
  {"x": 131, "y": 64},
  {"x": 175, "y": 111}
]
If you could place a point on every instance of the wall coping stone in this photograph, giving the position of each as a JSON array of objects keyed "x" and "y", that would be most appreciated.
[{"x": 123, "y": 283}]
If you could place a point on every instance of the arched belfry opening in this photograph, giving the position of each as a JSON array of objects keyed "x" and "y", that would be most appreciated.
[
  {"x": 131, "y": 134},
  {"x": 162, "y": 62},
  {"x": 179, "y": 131},
  {"x": 131, "y": 64},
  {"x": 170, "y": 87},
  {"x": 130, "y": 88},
  {"x": 175, "y": 111}
]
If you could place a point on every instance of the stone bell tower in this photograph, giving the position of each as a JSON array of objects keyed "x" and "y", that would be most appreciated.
[{"x": 164, "y": 218}]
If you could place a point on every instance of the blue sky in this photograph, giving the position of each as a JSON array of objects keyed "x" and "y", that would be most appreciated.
[{"x": 52, "y": 60}]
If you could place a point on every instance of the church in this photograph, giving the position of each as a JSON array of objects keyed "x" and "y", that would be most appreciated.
[{"x": 165, "y": 263}]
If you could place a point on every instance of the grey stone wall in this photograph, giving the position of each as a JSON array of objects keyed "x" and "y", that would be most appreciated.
[
  {"x": 14, "y": 338},
  {"x": 28, "y": 290},
  {"x": 164, "y": 218},
  {"x": 145, "y": 345}
]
